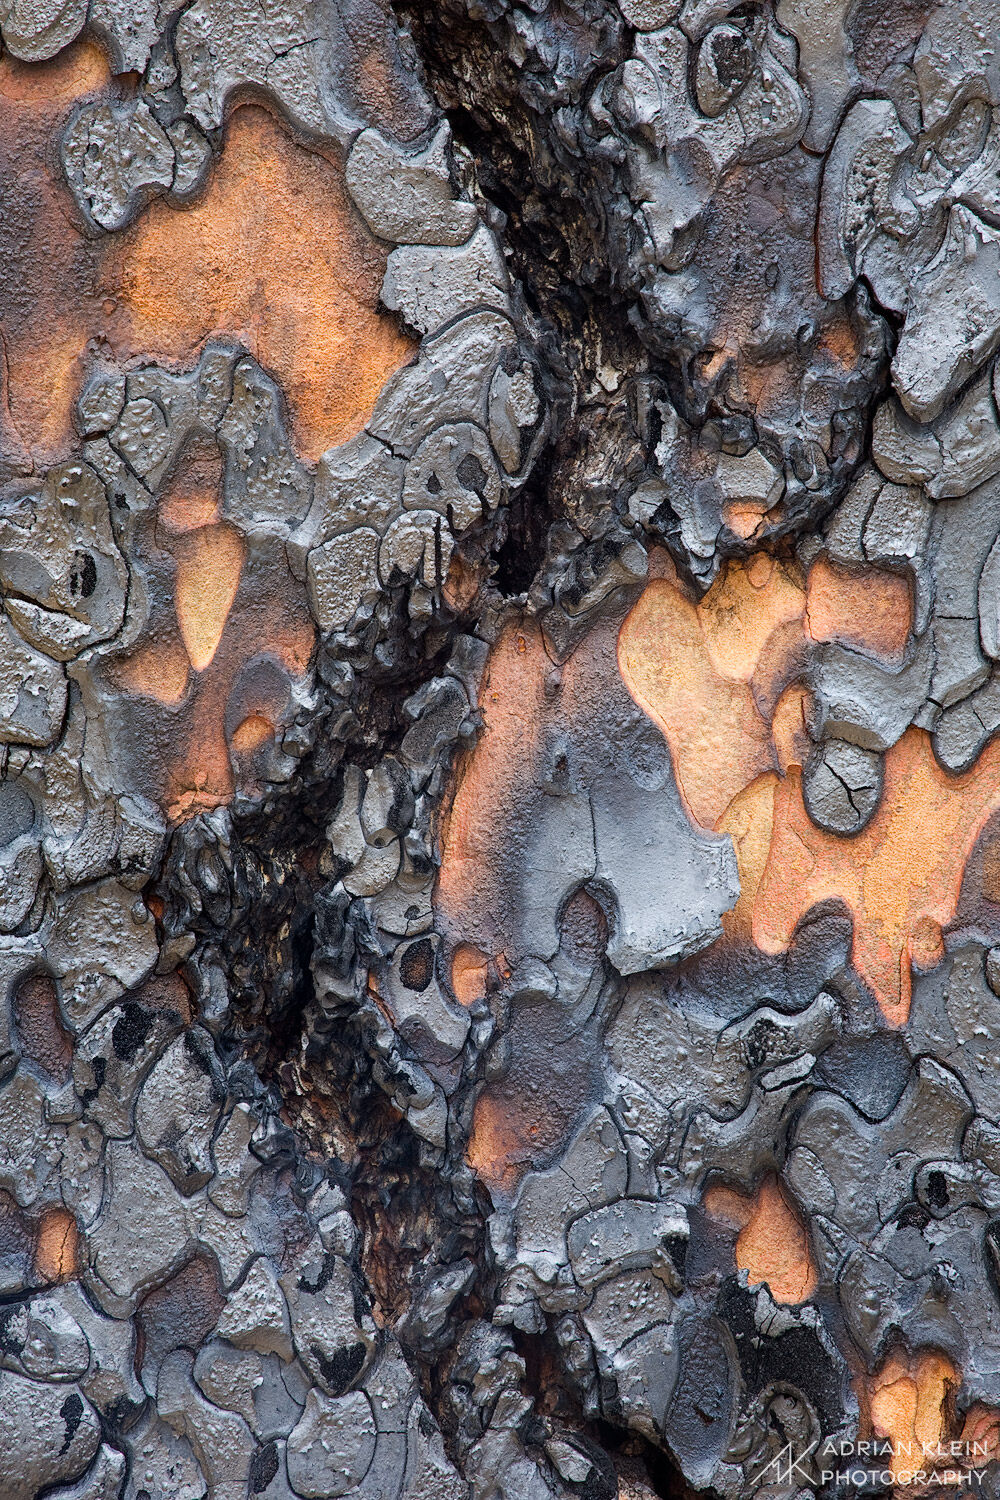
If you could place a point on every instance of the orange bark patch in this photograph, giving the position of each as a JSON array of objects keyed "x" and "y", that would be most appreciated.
[
  {"x": 907, "y": 1405},
  {"x": 743, "y": 517},
  {"x": 704, "y": 681},
  {"x": 840, "y": 341},
  {"x": 49, "y": 305},
  {"x": 747, "y": 603},
  {"x": 37, "y": 87},
  {"x": 468, "y": 973},
  {"x": 191, "y": 498},
  {"x": 209, "y": 684},
  {"x": 197, "y": 771},
  {"x": 492, "y": 786},
  {"x": 245, "y": 260},
  {"x": 773, "y": 1245},
  {"x": 909, "y": 1402},
  {"x": 209, "y": 563},
  {"x": 990, "y": 876},
  {"x": 56, "y": 1249},
  {"x": 869, "y": 608},
  {"x": 900, "y": 877},
  {"x": 524, "y": 1119},
  {"x": 254, "y": 731},
  {"x": 980, "y": 1435},
  {"x": 691, "y": 668},
  {"x": 789, "y": 728},
  {"x": 157, "y": 670},
  {"x": 496, "y": 1145}
]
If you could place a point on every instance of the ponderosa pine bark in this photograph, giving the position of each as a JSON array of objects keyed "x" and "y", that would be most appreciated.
[{"x": 500, "y": 802}]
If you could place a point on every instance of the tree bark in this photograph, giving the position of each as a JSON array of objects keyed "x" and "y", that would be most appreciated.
[{"x": 500, "y": 802}]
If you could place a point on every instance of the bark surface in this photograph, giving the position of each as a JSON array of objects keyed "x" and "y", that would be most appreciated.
[{"x": 499, "y": 774}]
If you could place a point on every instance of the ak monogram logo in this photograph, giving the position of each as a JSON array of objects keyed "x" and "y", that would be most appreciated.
[{"x": 789, "y": 1467}]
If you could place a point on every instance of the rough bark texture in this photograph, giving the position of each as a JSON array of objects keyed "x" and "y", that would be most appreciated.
[{"x": 500, "y": 803}]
